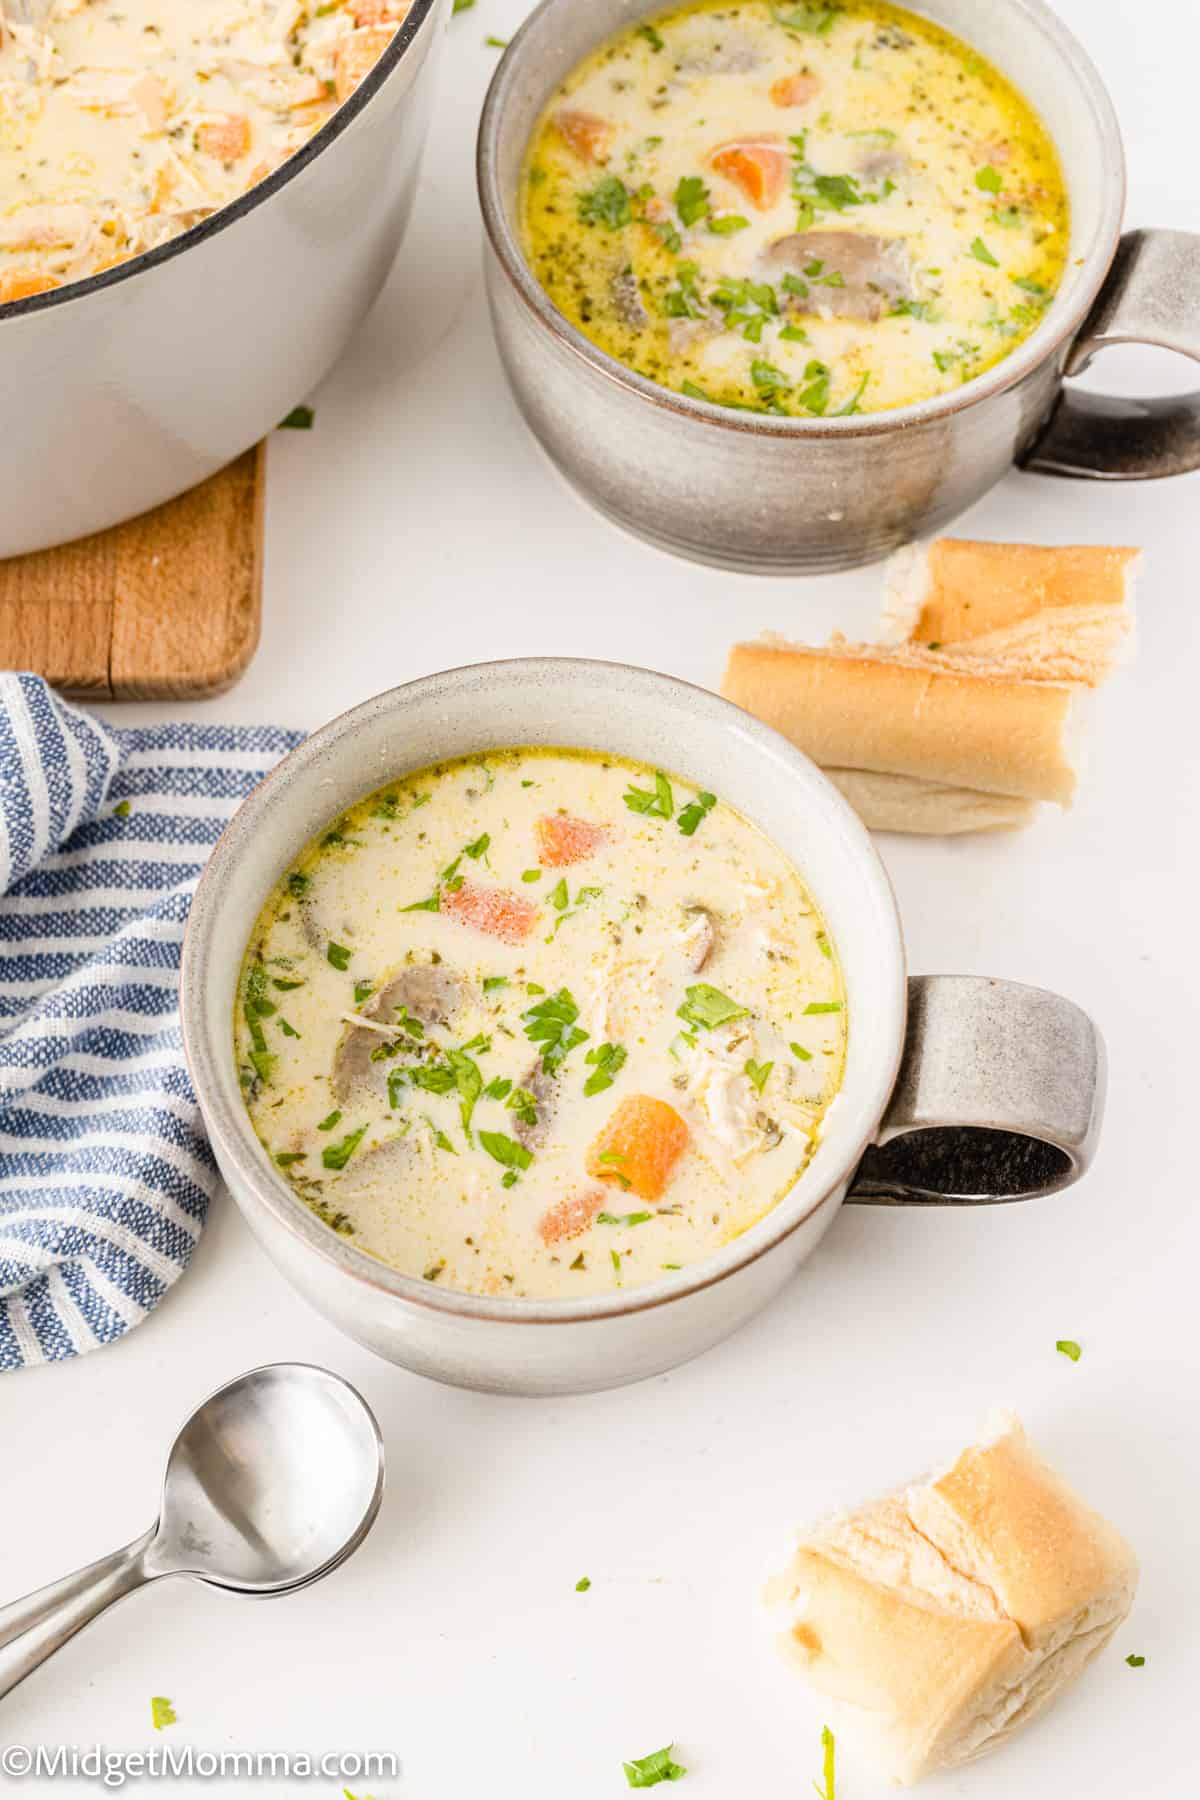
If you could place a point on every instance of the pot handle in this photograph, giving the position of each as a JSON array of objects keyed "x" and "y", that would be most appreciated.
[
  {"x": 999, "y": 1097},
  {"x": 1152, "y": 296}
]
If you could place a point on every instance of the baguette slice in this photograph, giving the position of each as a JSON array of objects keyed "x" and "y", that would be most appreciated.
[
  {"x": 943, "y": 1618},
  {"x": 912, "y": 713},
  {"x": 927, "y": 808},
  {"x": 1042, "y": 612}
]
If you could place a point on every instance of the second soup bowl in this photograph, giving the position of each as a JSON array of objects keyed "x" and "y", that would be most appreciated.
[{"x": 957, "y": 1089}]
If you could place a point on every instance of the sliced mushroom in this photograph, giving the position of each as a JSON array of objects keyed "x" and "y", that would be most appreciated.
[
  {"x": 876, "y": 272},
  {"x": 726, "y": 55},
  {"x": 385, "y": 1162},
  {"x": 883, "y": 162},
  {"x": 544, "y": 1088},
  {"x": 428, "y": 992},
  {"x": 700, "y": 937},
  {"x": 627, "y": 300}
]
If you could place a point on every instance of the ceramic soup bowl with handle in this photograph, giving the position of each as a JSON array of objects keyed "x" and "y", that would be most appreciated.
[
  {"x": 957, "y": 1090},
  {"x": 791, "y": 496}
]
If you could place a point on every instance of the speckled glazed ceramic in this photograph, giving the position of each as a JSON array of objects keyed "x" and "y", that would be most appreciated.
[
  {"x": 798, "y": 496},
  {"x": 963, "y": 1090},
  {"x": 138, "y": 383}
]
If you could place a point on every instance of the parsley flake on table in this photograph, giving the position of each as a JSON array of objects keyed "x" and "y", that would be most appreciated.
[
  {"x": 162, "y": 1712},
  {"x": 828, "y": 1773},
  {"x": 299, "y": 419},
  {"x": 583, "y": 1584},
  {"x": 648, "y": 1771},
  {"x": 1068, "y": 1347},
  {"x": 1136, "y": 1662},
  {"x": 122, "y": 809}
]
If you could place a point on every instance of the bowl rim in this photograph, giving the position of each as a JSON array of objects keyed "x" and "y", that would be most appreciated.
[
  {"x": 238, "y": 208},
  {"x": 232, "y": 1134},
  {"x": 1061, "y": 324}
]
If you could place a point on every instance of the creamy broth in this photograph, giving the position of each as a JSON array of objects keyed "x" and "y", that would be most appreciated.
[
  {"x": 795, "y": 208},
  {"x": 541, "y": 1023},
  {"x": 123, "y": 122}
]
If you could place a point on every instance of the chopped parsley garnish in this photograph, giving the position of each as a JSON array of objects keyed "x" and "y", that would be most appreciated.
[
  {"x": 1068, "y": 1347},
  {"x": 297, "y": 884},
  {"x": 584, "y": 1582},
  {"x": 287, "y": 1030},
  {"x": 798, "y": 1050},
  {"x": 611, "y": 1158},
  {"x": 362, "y": 991},
  {"x": 981, "y": 253},
  {"x": 1136, "y": 1662},
  {"x": 608, "y": 1060},
  {"x": 505, "y": 1150},
  {"x": 822, "y": 1006},
  {"x": 338, "y": 955},
  {"x": 531, "y": 874},
  {"x": 636, "y": 1218},
  {"x": 709, "y": 1007},
  {"x": 434, "y": 1270},
  {"x": 524, "y": 1104},
  {"x": 336, "y": 1156},
  {"x": 478, "y": 848},
  {"x": 609, "y": 203},
  {"x": 652, "y": 37},
  {"x": 285, "y": 987},
  {"x": 433, "y": 904},
  {"x": 559, "y": 898},
  {"x": 438, "y": 1078},
  {"x": 757, "y": 1074},
  {"x": 286, "y": 1158},
  {"x": 495, "y": 43},
  {"x": 747, "y": 305},
  {"x": 768, "y": 379},
  {"x": 695, "y": 810},
  {"x": 808, "y": 18},
  {"x": 692, "y": 200},
  {"x": 439, "y": 1137},
  {"x": 461, "y": 6},
  {"x": 989, "y": 180},
  {"x": 828, "y": 1772},
  {"x": 1035, "y": 288},
  {"x": 815, "y": 396},
  {"x": 493, "y": 983},
  {"x": 469, "y": 1082},
  {"x": 162, "y": 1712},
  {"x": 327, "y": 1124},
  {"x": 551, "y": 1023},
  {"x": 660, "y": 1765},
  {"x": 725, "y": 224},
  {"x": 814, "y": 193},
  {"x": 616, "y": 1263},
  {"x": 299, "y": 419},
  {"x": 498, "y": 1089},
  {"x": 657, "y": 805}
]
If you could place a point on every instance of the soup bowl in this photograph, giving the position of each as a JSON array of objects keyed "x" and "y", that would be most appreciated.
[
  {"x": 794, "y": 496},
  {"x": 956, "y": 1089},
  {"x": 135, "y": 384}
]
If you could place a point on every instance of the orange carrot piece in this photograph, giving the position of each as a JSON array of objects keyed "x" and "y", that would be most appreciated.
[
  {"x": 493, "y": 911},
  {"x": 226, "y": 139},
  {"x": 639, "y": 1147},
  {"x": 796, "y": 90},
  {"x": 356, "y": 54},
  {"x": 22, "y": 284},
  {"x": 563, "y": 840},
  {"x": 588, "y": 135},
  {"x": 570, "y": 1217},
  {"x": 759, "y": 169},
  {"x": 380, "y": 12}
]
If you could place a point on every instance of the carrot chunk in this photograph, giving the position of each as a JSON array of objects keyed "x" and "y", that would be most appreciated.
[
  {"x": 639, "y": 1147},
  {"x": 588, "y": 135},
  {"x": 796, "y": 90},
  {"x": 563, "y": 840},
  {"x": 379, "y": 12},
  {"x": 356, "y": 54},
  {"x": 226, "y": 139},
  {"x": 759, "y": 168},
  {"x": 22, "y": 284},
  {"x": 491, "y": 910},
  {"x": 570, "y": 1217}
]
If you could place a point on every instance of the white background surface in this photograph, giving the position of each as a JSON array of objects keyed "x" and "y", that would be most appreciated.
[{"x": 417, "y": 527}]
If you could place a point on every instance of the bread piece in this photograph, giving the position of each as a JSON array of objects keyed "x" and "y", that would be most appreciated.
[
  {"x": 926, "y": 808},
  {"x": 907, "y": 712},
  {"x": 1042, "y": 612},
  {"x": 943, "y": 1618}
]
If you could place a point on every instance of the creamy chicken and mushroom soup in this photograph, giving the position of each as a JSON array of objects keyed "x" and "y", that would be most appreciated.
[
  {"x": 541, "y": 1023},
  {"x": 123, "y": 122},
  {"x": 795, "y": 207}
]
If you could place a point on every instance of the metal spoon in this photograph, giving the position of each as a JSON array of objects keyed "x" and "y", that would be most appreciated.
[{"x": 271, "y": 1483}]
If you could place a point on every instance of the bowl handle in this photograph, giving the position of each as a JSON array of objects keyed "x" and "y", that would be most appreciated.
[
  {"x": 1152, "y": 296},
  {"x": 999, "y": 1097}
]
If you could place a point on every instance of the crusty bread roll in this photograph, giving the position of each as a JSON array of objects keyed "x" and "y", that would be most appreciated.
[
  {"x": 911, "y": 713},
  {"x": 942, "y": 1618},
  {"x": 927, "y": 808},
  {"x": 1045, "y": 612}
]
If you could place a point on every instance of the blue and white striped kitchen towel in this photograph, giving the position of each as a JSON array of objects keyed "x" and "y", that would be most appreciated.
[{"x": 105, "y": 1175}]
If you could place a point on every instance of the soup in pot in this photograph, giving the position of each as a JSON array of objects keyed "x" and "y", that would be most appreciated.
[
  {"x": 541, "y": 1023},
  {"x": 798, "y": 208},
  {"x": 124, "y": 122}
]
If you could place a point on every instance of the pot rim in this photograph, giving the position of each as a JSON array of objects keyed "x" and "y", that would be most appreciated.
[
  {"x": 1062, "y": 322},
  {"x": 238, "y": 208},
  {"x": 229, "y": 1127}
]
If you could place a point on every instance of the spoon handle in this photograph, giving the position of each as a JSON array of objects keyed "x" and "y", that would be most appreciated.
[{"x": 32, "y": 1629}]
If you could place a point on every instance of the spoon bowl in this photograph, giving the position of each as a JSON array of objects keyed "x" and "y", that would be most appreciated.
[{"x": 274, "y": 1480}]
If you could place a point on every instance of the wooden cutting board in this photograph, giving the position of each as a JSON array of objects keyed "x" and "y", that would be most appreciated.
[{"x": 165, "y": 607}]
